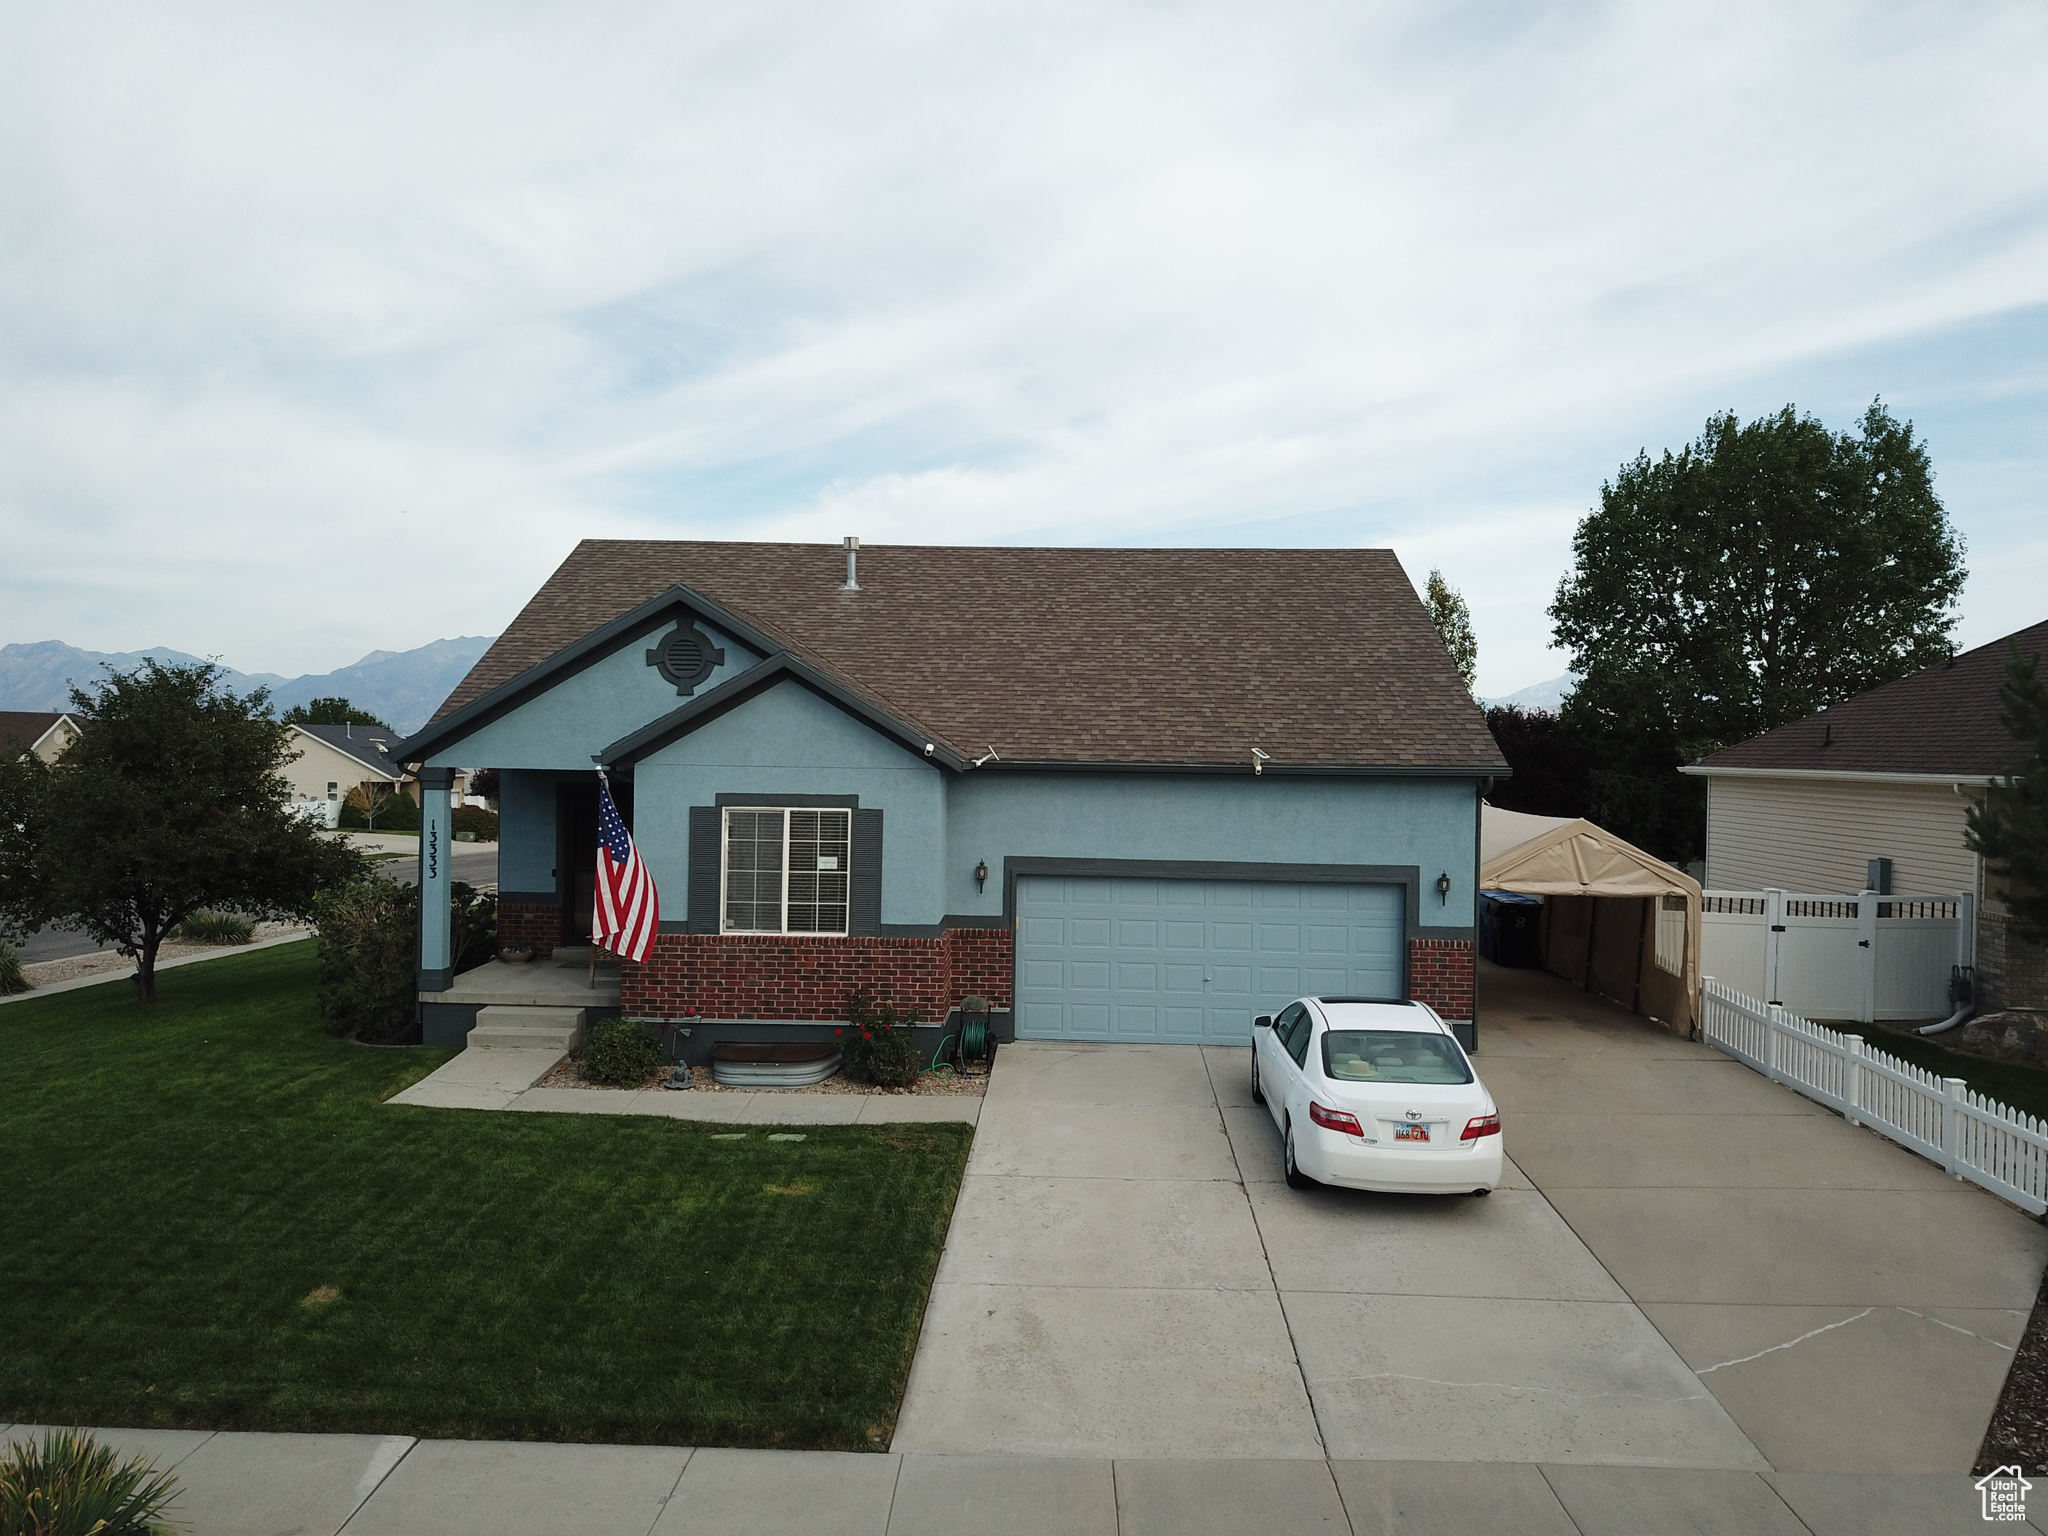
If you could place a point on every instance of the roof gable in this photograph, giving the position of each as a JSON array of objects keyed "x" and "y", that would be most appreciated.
[
  {"x": 1323, "y": 659},
  {"x": 1940, "y": 722}
]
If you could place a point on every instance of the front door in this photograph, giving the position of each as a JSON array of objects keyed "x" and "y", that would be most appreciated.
[{"x": 576, "y": 852}]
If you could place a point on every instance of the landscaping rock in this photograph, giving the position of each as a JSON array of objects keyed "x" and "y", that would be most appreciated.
[{"x": 2016, "y": 1034}]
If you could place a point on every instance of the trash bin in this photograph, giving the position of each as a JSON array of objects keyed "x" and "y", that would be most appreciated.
[{"x": 1511, "y": 928}]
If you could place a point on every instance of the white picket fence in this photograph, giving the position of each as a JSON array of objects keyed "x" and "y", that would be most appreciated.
[
  {"x": 1971, "y": 1136},
  {"x": 1864, "y": 957}
]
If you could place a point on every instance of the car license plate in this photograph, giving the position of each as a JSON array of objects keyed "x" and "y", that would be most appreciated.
[{"x": 1411, "y": 1133}]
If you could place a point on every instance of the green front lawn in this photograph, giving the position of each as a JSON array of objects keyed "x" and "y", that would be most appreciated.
[{"x": 211, "y": 1220}]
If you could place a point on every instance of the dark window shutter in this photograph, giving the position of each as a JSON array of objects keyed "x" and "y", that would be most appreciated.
[
  {"x": 864, "y": 900},
  {"x": 704, "y": 857}
]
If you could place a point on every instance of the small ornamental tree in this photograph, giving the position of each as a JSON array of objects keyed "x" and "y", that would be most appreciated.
[
  {"x": 1453, "y": 621},
  {"x": 170, "y": 803},
  {"x": 2010, "y": 826}
]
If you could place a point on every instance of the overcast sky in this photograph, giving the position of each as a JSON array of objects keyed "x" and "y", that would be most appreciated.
[{"x": 332, "y": 328}]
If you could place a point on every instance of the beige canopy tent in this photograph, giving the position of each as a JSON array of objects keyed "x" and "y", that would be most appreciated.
[{"x": 1615, "y": 920}]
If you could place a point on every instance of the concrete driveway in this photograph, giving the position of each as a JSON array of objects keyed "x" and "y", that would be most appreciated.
[
  {"x": 1127, "y": 1275},
  {"x": 1852, "y": 1306},
  {"x": 1689, "y": 1267}
]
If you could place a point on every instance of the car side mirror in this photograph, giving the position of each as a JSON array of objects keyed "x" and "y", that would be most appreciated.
[{"x": 1263, "y": 1021}]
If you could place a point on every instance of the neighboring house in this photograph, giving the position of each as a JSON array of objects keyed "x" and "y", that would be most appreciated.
[
  {"x": 1120, "y": 794},
  {"x": 334, "y": 759},
  {"x": 46, "y": 735},
  {"x": 1889, "y": 774}
]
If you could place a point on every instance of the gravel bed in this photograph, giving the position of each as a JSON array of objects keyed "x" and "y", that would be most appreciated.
[
  {"x": 2019, "y": 1425},
  {"x": 973, "y": 1085}
]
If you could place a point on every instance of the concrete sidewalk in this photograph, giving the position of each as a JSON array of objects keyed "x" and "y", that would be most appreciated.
[
  {"x": 366, "y": 1485},
  {"x": 500, "y": 1078}
]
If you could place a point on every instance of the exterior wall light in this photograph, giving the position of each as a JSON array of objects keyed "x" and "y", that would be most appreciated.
[
  {"x": 1443, "y": 889},
  {"x": 981, "y": 875}
]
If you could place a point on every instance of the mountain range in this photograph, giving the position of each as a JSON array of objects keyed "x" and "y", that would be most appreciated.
[
  {"x": 401, "y": 687},
  {"x": 1547, "y": 695}
]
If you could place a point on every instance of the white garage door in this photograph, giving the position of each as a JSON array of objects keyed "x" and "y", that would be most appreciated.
[{"x": 1192, "y": 960}]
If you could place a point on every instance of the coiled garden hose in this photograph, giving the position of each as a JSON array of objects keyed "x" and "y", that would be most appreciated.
[
  {"x": 974, "y": 1037},
  {"x": 940, "y": 1068}
]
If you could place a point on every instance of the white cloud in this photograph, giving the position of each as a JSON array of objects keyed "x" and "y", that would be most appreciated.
[{"x": 328, "y": 330}]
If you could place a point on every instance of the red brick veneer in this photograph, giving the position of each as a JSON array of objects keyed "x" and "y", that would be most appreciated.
[
  {"x": 733, "y": 976},
  {"x": 529, "y": 923},
  {"x": 1442, "y": 973}
]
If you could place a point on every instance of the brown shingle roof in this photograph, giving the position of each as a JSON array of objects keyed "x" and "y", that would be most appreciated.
[
  {"x": 23, "y": 728},
  {"x": 1941, "y": 720},
  {"x": 1322, "y": 657}
]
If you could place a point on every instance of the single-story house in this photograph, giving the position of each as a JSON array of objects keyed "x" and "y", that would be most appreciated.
[
  {"x": 1129, "y": 795},
  {"x": 1888, "y": 775},
  {"x": 331, "y": 760},
  {"x": 45, "y": 733}
]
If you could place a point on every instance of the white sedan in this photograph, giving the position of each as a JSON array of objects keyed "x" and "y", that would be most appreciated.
[{"x": 1375, "y": 1096}]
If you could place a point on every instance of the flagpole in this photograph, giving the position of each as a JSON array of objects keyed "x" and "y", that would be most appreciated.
[{"x": 604, "y": 787}]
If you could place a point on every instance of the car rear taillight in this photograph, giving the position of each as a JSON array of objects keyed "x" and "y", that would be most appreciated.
[
  {"x": 1335, "y": 1120},
  {"x": 1480, "y": 1125}
]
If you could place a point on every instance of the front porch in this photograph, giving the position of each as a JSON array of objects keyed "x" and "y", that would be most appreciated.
[{"x": 446, "y": 1017}]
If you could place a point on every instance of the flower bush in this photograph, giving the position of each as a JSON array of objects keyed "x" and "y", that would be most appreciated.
[{"x": 877, "y": 1044}]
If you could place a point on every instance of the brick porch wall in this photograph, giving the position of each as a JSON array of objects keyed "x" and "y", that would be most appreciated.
[
  {"x": 730, "y": 976},
  {"x": 1442, "y": 973},
  {"x": 529, "y": 923}
]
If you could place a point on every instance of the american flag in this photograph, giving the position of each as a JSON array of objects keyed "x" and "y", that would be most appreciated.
[{"x": 627, "y": 913}]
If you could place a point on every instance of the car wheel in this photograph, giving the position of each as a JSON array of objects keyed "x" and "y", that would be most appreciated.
[
  {"x": 1296, "y": 1179},
  {"x": 1258, "y": 1093}
]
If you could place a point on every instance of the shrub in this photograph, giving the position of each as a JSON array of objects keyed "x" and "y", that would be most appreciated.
[
  {"x": 369, "y": 938},
  {"x": 877, "y": 1043},
  {"x": 11, "y": 978},
  {"x": 399, "y": 814},
  {"x": 369, "y": 951},
  {"x": 71, "y": 1483},
  {"x": 474, "y": 818},
  {"x": 205, "y": 927},
  {"x": 620, "y": 1052}
]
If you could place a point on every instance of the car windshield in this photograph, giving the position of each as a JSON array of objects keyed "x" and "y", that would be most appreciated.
[{"x": 1392, "y": 1056}]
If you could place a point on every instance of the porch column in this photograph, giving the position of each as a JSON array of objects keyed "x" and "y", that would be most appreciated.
[{"x": 437, "y": 957}]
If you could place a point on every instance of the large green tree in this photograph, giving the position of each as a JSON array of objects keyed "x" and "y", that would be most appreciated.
[
  {"x": 171, "y": 801},
  {"x": 1761, "y": 573},
  {"x": 331, "y": 711},
  {"x": 2010, "y": 826}
]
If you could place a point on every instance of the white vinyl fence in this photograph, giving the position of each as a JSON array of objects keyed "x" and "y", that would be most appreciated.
[
  {"x": 1971, "y": 1136},
  {"x": 1864, "y": 957}
]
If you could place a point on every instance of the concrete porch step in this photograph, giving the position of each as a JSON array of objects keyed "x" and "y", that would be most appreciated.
[{"x": 511, "y": 1027}]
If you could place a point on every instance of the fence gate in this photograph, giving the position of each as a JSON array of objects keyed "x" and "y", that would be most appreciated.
[{"x": 1864, "y": 957}]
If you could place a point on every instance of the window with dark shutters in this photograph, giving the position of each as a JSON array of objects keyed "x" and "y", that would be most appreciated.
[{"x": 787, "y": 869}]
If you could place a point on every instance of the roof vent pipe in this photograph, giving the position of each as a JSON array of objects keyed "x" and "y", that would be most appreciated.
[{"x": 852, "y": 564}]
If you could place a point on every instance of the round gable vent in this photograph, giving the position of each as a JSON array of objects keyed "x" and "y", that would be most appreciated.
[{"x": 686, "y": 657}]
